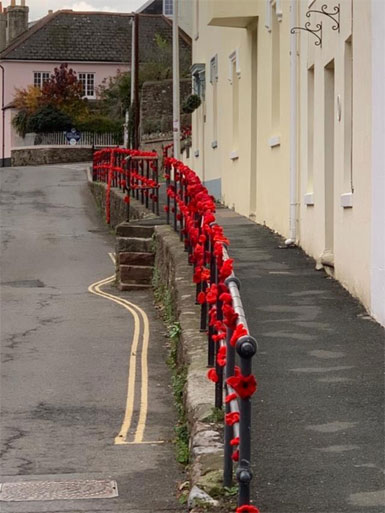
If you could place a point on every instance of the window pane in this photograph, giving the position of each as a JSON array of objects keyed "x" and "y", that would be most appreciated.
[
  {"x": 82, "y": 80},
  {"x": 90, "y": 84},
  {"x": 37, "y": 79},
  {"x": 168, "y": 7}
]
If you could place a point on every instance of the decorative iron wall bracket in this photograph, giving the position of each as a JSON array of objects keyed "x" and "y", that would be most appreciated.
[
  {"x": 335, "y": 15},
  {"x": 317, "y": 31}
]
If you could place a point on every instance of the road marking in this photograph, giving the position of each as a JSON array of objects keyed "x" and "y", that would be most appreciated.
[{"x": 134, "y": 309}]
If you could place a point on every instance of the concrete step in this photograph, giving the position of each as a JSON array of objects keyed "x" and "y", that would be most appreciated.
[
  {"x": 135, "y": 258},
  {"x": 134, "y": 245},
  {"x": 140, "y": 274},
  {"x": 134, "y": 230},
  {"x": 133, "y": 286}
]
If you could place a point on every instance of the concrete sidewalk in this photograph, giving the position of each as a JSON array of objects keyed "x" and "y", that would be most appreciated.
[{"x": 318, "y": 415}]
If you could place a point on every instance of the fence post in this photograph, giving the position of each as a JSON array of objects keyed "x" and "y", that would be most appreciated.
[{"x": 246, "y": 348}]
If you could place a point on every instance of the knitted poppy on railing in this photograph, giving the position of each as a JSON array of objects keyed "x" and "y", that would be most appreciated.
[
  {"x": 194, "y": 217},
  {"x": 133, "y": 171}
]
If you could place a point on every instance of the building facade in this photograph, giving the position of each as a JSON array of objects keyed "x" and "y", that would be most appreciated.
[
  {"x": 288, "y": 130},
  {"x": 96, "y": 45}
]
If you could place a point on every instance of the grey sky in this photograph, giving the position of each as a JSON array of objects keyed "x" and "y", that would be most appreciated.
[{"x": 39, "y": 8}]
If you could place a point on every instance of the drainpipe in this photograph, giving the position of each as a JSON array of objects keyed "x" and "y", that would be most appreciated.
[
  {"x": 293, "y": 127},
  {"x": 175, "y": 81},
  {"x": 3, "y": 117}
]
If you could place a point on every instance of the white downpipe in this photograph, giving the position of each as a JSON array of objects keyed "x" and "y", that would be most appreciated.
[
  {"x": 175, "y": 83},
  {"x": 293, "y": 127}
]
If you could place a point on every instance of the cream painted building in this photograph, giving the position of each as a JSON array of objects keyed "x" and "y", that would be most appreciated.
[
  {"x": 240, "y": 142},
  {"x": 290, "y": 126}
]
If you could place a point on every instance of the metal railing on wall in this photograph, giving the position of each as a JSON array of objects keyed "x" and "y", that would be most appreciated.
[
  {"x": 133, "y": 172},
  {"x": 190, "y": 211}
]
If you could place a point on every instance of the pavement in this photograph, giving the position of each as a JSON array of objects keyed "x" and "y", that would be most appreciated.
[
  {"x": 66, "y": 429},
  {"x": 318, "y": 414}
]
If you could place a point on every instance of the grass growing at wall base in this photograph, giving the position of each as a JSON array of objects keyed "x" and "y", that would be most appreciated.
[{"x": 163, "y": 300}]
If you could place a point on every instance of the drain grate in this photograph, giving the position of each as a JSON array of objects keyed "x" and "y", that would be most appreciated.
[{"x": 57, "y": 490}]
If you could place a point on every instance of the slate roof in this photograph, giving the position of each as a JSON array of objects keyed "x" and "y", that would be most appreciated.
[{"x": 90, "y": 36}]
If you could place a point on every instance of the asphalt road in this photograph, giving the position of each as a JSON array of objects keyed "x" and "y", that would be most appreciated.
[{"x": 65, "y": 357}]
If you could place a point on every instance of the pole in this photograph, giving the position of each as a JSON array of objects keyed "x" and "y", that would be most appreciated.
[
  {"x": 293, "y": 127},
  {"x": 136, "y": 84},
  {"x": 3, "y": 117},
  {"x": 131, "y": 123},
  {"x": 175, "y": 84}
]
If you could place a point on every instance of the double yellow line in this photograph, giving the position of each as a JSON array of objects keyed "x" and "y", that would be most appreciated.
[{"x": 138, "y": 315}]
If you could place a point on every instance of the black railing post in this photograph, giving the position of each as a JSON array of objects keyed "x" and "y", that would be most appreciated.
[{"x": 246, "y": 348}]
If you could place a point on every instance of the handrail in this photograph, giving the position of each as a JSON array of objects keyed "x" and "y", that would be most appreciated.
[
  {"x": 191, "y": 211},
  {"x": 134, "y": 172}
]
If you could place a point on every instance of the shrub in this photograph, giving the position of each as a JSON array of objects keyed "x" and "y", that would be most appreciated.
[
  {"x": 20, "y": 122},
  {"x": 99, "y": 124},
  {"x": 48, "y": 119}
]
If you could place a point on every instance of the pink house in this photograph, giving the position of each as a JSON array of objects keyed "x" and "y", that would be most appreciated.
[{"x": 94, "y": 44}]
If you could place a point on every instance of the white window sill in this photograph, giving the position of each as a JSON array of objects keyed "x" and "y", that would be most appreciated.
[
  {"x": 234, "y": 155},
  {"x": 274, "y": 141},
  {"x": 308, "y": 199},
  {"x": 347, "y": 200}
]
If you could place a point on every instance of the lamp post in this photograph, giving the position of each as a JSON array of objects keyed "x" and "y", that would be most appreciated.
[{"x": 3, "y": 117}]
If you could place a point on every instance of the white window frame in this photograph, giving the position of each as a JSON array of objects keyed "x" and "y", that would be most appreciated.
[
  {"x": 40, "y": 77},
  {"x": 234, "y": 57},
  {"x": 84, "y": 77},
  {"x": 214, "y": 69},
  {"x": 198, "y": 73},
  {"x": 168, "y": 11}
]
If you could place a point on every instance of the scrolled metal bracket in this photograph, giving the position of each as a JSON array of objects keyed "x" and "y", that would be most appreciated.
[
  {"x": 335, "y": 15},
  {"x": 317, "y": 31}
]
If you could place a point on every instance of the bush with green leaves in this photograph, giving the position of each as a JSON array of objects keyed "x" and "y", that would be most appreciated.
[
  {"x": 99, "y": 124},
  {"x": 49, "y": 119}
]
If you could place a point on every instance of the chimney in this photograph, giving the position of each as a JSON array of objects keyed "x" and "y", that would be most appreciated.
[
  {"x": 17, "y": 20},
  {"x": 3, "y": 28}
]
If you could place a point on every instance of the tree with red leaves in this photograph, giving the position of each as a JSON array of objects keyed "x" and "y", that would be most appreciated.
[{"x": 64, "y": 91}]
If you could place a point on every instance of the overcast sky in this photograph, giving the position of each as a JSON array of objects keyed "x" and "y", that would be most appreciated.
[{"x": 39, "y": 8}]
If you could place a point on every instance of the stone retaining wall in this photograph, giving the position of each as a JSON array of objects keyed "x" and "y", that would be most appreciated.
[
  {"x": 118, "y": 206},
  {"x": 40, "y": 155}
]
